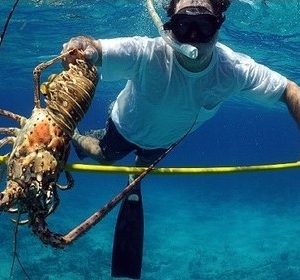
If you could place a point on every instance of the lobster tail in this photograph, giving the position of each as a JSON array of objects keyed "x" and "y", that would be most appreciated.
[{"x": 68, "y": 95}]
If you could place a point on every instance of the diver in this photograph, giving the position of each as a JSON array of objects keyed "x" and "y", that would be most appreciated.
[{"x": 167, "y": 94}]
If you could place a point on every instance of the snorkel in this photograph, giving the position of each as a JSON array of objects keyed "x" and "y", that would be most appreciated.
[{"x": 185, "y": 49}]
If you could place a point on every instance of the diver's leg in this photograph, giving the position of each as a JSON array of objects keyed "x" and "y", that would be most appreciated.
[
  {"x": 129, "y": 231},
  {"x": 105, "y": 145},
  {"x": 87, "y": 146}
]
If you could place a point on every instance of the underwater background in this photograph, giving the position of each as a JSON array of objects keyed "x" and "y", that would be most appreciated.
[{"x": 208, "y": 227}]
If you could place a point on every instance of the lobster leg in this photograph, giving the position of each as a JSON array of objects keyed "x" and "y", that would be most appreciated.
[
  {"x": 10, "y": 131},
  {"x": 70, "y": 182},
  {"x": 10, "y": 139},
  {"x": 11, "y": 115},
  {"x": 54, "y": 203},
  {"x": 21, "y": 223},
  {"x": 7, "y": 140}
]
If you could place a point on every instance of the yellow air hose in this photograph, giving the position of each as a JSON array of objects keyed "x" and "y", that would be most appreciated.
[{"x": 78, "y": 167}]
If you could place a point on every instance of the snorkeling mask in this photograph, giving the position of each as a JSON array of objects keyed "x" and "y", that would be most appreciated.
[
  {"x": 194, "y": 25},
  {"x": 186, "y": 49}
]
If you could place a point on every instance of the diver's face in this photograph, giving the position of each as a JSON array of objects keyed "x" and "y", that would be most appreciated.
[
  {"x": 194, "y": 22},
  {"x": 193, "y": 29}
]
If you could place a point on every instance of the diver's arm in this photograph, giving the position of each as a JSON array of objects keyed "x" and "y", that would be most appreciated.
[
  {"x": 98, "y": 47},
  {"x": 92, "y": 49},
  {"x": 291, "y": 97}
]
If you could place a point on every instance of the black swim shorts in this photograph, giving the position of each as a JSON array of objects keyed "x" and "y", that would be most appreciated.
[{"x": 114, "y": 146}]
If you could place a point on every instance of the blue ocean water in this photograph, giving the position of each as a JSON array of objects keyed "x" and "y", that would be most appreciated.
[{"x": 208, "y": 227}]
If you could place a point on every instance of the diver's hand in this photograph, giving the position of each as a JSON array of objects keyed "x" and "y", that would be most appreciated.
[{"x": 88, "y": 47}]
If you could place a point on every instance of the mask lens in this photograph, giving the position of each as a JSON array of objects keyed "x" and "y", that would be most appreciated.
[{"x": 193, "y": 28}]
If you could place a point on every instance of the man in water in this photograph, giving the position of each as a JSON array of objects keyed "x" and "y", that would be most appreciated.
[{"x": 168, "y": 95}]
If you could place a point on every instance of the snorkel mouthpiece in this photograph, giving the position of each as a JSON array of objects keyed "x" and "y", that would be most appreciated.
[{"x": 185, "y": 49}]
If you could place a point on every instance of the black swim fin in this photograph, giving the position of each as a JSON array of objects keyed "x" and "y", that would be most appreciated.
[{"x": 129, "y": 237}]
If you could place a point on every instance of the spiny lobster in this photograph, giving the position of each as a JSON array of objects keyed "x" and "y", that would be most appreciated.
[
  {"x": 41, "y": 148},
  {"x": 42, "y": 143}
]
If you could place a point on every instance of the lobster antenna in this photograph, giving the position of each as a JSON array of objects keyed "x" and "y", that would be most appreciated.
[
  {"x": 7, "y": 21},
  {"x": 15, "y": 253}
]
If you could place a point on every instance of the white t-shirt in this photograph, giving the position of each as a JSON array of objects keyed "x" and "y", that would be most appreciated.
[{"x": 162, "y": 101}]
